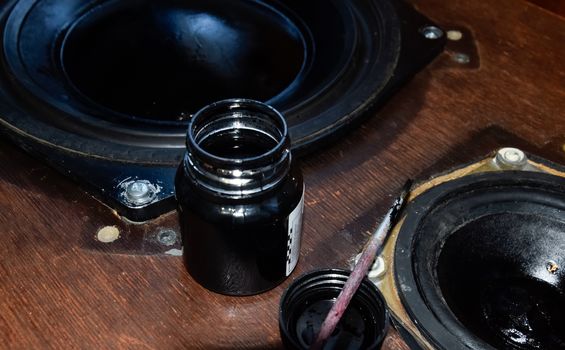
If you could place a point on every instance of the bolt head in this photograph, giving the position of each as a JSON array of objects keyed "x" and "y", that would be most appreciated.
[
  {"x": 167, "y": 237},
  {"x": 378, "y": 269},
  {"x": 461, "y": 58},
  {"x": 431, "y": 32},
  {"x": 511, "y": 158},
  {"x": 138, "y": 189},
  {"x": 140, "y": 192}
]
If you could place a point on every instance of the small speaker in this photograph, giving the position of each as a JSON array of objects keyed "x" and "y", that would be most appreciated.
[{"x": 479, "y": 262}]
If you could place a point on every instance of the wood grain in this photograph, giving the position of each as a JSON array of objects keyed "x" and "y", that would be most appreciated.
[
  {"x": 555, "y": 6},
  {"x": 60, "y": 289}
]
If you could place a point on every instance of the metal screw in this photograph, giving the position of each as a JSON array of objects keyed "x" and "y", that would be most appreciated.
[
  {"x": 377, "y": 270},
  {"x": 432, "y": 32},
  {"x": 167, "y": 237},
  {"x": 461, "y": 58},
  {"x": 140, "y": 192},
  {"x": 512, "y": 158}
]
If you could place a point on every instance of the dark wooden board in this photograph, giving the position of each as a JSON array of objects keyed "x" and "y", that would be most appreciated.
[
  {"x": 556, "y": 6},
  {"x": 59, "y": 288}
]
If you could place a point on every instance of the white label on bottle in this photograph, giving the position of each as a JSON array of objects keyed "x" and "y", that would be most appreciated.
[{"x": 294, "y": 235}]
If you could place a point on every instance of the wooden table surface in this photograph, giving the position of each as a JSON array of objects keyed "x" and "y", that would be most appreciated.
[{"x": 60, "y": 288}]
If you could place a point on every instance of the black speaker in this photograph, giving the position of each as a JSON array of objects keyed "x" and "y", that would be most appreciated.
[
  {"x": 479, "y": 261},
  {"x": 103, "y": 89}
]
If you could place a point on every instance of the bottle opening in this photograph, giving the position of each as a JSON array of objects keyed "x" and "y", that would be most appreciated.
[
  {"x": 238, "y": 143},
  {"x": 237, "y": 130},
  {"x": 238, "y": 147}
]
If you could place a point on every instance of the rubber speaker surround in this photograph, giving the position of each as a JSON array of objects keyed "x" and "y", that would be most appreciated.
[
  {"x": 117, "y": 79},
  {"x": 480, "y": 262}
]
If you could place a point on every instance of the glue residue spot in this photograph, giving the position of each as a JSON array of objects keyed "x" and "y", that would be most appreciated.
[
  {"x": 108, "y": 234},
  {"x": 454, "y": 35}
]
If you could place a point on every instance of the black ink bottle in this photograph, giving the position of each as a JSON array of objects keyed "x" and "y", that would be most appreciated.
[{"x": 240, "y": 198}]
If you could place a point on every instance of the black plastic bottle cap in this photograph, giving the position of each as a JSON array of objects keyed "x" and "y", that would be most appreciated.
[{"x": 305, "y": 304}]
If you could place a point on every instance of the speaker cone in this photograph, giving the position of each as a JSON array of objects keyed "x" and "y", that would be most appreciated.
[{"x": 480, "y": 262}]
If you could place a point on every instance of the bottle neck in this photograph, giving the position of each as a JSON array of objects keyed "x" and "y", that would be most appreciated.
[{"x": 237, "y": 148}]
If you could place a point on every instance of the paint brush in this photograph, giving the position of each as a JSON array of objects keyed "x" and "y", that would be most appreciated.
[{"x": 360, "y": 270}]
